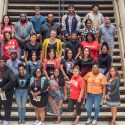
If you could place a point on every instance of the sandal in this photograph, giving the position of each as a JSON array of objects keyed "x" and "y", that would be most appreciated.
[{"x": 112, "y": 123}]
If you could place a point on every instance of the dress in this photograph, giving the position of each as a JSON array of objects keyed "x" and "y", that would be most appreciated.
[
  {"x": 39, "y": 85},
  {"x": 55, "y": 99},
  {"x": 112, "y": 89}
]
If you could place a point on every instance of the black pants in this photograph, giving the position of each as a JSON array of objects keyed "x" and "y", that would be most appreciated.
[
  {"x": 77, "y": 104},
  {"x": 7, "y": 106}
]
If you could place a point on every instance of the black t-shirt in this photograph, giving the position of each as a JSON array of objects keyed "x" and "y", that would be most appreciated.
[
  {"x": 85, "y": 66},
  {"x": 30, "y": 48},
  {"x": 74, "y": 46},
  {"x": 22, "y": 82},
  {"x": 105, "y": 62},
  {"x": 68, "y": 66}
]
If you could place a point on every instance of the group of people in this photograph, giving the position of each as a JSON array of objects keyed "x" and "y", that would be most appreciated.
[{"x": 51, "y": 65}]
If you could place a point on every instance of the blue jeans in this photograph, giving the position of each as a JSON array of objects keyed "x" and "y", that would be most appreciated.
[
  {"x": 96, "y": 100},
  {"x": 21, "y": 99}
]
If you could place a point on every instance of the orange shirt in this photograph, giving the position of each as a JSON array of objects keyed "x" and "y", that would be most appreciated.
[
  {"x": 95, "y": 83},
  {"x": 76, "y": 84}
]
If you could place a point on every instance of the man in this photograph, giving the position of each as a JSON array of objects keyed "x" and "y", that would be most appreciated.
[
  {"x": 13, "y": 62},
  {"x": 48, "y": 26},
  {"x": 32, "y": 46},
  {"x": 96, "y": 17},
  {"x": 7, "y": 81},
  {"x": 71, "y": 22},
  {"x": 23, "y": 28},
  {"x": 74, "y": 45},
  {"x": 107, "y": 32},
  {"x": 38, "y": 20}
]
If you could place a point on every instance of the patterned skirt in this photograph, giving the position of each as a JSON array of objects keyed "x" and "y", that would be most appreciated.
[{"x": 55, "y": 100}]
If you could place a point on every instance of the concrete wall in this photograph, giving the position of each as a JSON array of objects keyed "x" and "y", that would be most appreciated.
[{"x": 3, "y": 8}]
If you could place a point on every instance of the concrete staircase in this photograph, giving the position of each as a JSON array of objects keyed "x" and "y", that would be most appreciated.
[{"x": 15, "y": 7}]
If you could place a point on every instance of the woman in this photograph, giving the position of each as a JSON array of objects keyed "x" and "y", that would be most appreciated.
[
  {"x": 21, "y": 92},
  {"x": 96, "y": 83},
  {"x": 104, "y": 60},
  {"x": 76, "y": 93},
  {"x": 85, "y": 61},
  {"x": 52, "y": 43},
  {"x": 9, "y": 45},
  {"x": 87, "y": 29},
  {"x": 39, "y": 95},
  {"x": 113, "y": 93},
  {"x": 50, "y": 64},
  {"x": 56, "y": 95},
  {"x": 33, "y": 64},
  {"x": 92, "y": 44},
  {"x": 67, "y": 64},
  {"x": 5, "y": 25}
]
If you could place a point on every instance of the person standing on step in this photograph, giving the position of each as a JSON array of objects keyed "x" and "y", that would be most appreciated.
[
  {"x": 85, "y": 61},
  {"x": 56, "y": 95},
  {"x": 96, "y": 17},
  {"x": 113, "y": 92},
  {"x": 38, "y": 90},
  {"x": 22, "y": 30},
  {"x": 74, "y": 45},
  {"x": 96, "y": 84},
  {"x": 107, "y": 32},
  {"x": 21, "y": 92},
  {"x": 52, "y": 43},
  {"x": 48, "y": 26},
  {"x": 5, "y": 26},
  {"x": 92, "y": 44},
  {"x": 71, "y": 22},
  {"x": 33, "y": 64},
  {"x": 87, "y": 29},
  {"x": 13, "y": 62},
  {"x": 105, "y": 60},
  {"x": 77, "y": 87},
  {"x": 7, "y": 82},
  {"x": 38, "y": 20},
  {"x": 9, "y": 44},
  {"x": 32, "y": 46}
]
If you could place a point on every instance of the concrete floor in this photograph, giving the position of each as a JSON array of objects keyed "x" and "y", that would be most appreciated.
[{"x": 67, "y": 123}]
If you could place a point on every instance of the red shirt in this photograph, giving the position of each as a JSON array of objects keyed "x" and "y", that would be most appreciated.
[
  {"x": 56, "y": 63},
  {"x": 8, "y": 47},
  {"x": 94, "y": 47},
  {"x": 76, "y": 84}
]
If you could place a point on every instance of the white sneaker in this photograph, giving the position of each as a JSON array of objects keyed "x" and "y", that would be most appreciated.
[
  {"x": 39, "y": 123},
  {"x": 88, "y": 121},
  {"x": 43, "y": 123},
  {"x": 36, "y": 122},
  {"x": 94, "y": 122},
  {"x": 5, "y": 122}
]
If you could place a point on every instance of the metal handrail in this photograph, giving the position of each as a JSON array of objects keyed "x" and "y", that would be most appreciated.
[{"x": 121, "y": 36}]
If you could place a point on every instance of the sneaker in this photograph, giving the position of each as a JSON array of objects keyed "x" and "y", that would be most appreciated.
[
  {"x": 23, "y": 121},
  {"x": 43, "y": 123},
  {"x": 19, "y": 122},
  {"x": 36, "y": 122},
  {"x": 89, "y": 121},
  {"x": 94, "y": 122},
  {"x": 5, "y": 122},
  {"x": 39, "y": 123}
]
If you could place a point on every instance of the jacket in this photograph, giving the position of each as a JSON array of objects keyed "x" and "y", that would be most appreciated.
[
  {"x": 8, "y": 80},
  {"x": 112, "y": 90}
]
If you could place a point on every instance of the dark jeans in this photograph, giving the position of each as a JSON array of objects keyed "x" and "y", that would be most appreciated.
[
  {"x": 78, "y": 106},
  {"x": 7, "y": 106}
]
